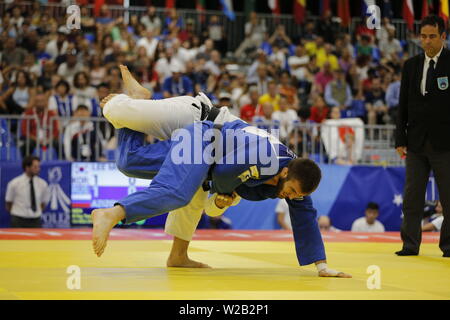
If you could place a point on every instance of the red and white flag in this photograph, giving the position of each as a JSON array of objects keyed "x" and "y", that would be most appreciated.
[{"x": 408, "y": 13}]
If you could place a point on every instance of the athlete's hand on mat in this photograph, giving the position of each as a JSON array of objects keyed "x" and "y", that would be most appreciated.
[
  {"x": 106, "y": 99},
  {"x": 225, "y": 200},
  {"x": 333, "y": 273}
]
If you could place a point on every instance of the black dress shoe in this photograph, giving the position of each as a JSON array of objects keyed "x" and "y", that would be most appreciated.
[
  {"x": 446, "y": 254},
  {"x": 406, "y": 252}
]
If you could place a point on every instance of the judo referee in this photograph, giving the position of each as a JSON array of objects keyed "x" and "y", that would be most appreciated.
[{"x": 280, "y": 174}]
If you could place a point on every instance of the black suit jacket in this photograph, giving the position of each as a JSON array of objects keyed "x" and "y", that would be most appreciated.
[{"x": 421, "y": 117}]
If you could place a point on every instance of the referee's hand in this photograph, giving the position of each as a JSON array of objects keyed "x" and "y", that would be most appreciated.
[{"x": 401, "y": 152}]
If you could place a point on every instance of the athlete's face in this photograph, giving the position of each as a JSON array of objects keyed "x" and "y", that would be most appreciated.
[{"x": 289, "y": 189}]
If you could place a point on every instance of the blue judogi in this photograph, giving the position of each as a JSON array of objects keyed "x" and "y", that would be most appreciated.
[{"x": 174, "y": 184}]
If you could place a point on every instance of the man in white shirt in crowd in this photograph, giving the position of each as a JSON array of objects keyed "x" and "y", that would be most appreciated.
[
  {"x": 285, "y": 117},
  {"x": 369, "y": 222},
  {"x": 27, "y": 195}
]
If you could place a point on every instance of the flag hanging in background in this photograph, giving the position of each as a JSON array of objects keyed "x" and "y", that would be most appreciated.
[
  {"x": 324, "y": 7},
  {"x": 387, "y": 9},
  {"x": 227, "y": 8},
  {"x": 200, "y": 6},
  {"x": 443, "y": 11},
  {"x": 170, "y": 4},
  {"x": 299, "y": 11},
  {"x": 364, "y": 5},
  {"x": 427, "y": 5},
  {"x": 274, "y": 6},
  {"x": 98, "y": 6},
  {"x": 408, "y": 13},
  {"x": 344, "y": 12},
  {"x": 249, "y": 6}
]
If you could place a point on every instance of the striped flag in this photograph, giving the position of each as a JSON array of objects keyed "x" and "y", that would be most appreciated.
[
  {"x": 408, "y": 13},
  {"x": 427, "y": 5},
  {"x": 170, "y": 4},
  {"x": 344, "y": 12},
  {"x": 227, "y": 8},
  {"x": 299, "y": 11},
  {"x": 324, "y": 7},
  {"x": 443, "y": 11},
  {"x": 200, "y": 6},
  {"x": 274, "y": 6}
]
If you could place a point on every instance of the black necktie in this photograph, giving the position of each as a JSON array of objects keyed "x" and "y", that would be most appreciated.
[
  {"x": 33, "y": 196},
  {"x": 430, "y": 77}
]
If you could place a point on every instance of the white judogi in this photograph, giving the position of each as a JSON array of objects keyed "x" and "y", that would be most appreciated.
[{"x": 160, "y": 118}]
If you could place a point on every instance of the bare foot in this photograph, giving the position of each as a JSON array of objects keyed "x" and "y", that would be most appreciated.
[
  {"x": 134, "y": 89},
  {"x": 103, "y": 221},
  {"x": 185, "y": 262},
  {"x": 106, "y": 99}
]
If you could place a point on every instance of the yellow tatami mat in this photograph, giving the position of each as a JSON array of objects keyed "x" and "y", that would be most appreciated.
[{"x": 135, "y": 269}]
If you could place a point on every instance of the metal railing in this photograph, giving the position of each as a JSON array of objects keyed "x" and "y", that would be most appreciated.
[
  {"x": 25, "y": 135},
  {"x": 375, "y": 145}
]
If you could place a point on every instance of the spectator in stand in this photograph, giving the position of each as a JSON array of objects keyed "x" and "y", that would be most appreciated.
[
  {"x": 97, "y": 72},
  {"x": 248, "y": 111},
  {"x": 272, "y": 96},
  {"x": 13, "y": 55},
  {"x": 151, "y": 21},
  {"x": 254, "y": 35},
  {"x": 298, "y": 62},
  {"x": 286, "y": 118},
  {"x": 80, "y": 137},
  {"x": 149, "y": 42},
  {"x": 393, "y": 97},
  {"x": 377, "y": 110},
  {"x": 27, "y": 195},
  {"x": 83, "y": 92},
  {"x": 19, "y": 96},
  {"x": 337, "y": 91},
  {"x": 320, "y": 110},
  {"x": 68, "y": 69},
  {"x": 63, "y": 103},
  {"x": 369, "y": 222},
  {"x": 324, "y": 223},
  {"x": 58, "y": 46},
  {"x": 327, "y": 28},
  {"x": 42, "y": 130},
  {"x": 177, "y": 84},
  {"x": 217, "y": 34},
  {"x": 326, "y": 56},
  {"x": 391, "y": 46},
  {"x": 322, "y": 78},
  {"x": 288, "y": 90}
]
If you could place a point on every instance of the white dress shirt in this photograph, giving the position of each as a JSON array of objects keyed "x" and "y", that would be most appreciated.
[
  {"x": 18, "y": 192},
  {"x": 361, "y": 225},
  {"x": 425, "y": 69}
]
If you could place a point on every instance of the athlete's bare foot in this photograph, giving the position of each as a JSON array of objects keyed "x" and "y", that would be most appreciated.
[
  {"x": 103, "y": 221},
  {"x": 178, "y": 256},
  {"x": 134, "y": 89},
  {"x": 106, "y": 99},
  {"x": 184, "y": 262}
]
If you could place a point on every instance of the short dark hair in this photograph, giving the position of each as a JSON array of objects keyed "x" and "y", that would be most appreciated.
[
  {"x": 82, "y": 107},
  {"x": 433, "y": 20},
  {"x": 63, "y": 83},
  {"x": 28, "y": 161},
  {"x": 307, "y": 172},
  {"x": 373, "y": 206}
]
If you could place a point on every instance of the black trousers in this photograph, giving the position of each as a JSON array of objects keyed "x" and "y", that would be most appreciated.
[
  {"x": 19, "y": 222},
  {"x": 418, "y": 168}
]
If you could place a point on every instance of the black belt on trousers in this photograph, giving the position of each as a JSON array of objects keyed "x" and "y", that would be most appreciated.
[{"x": 209, "y": 114}]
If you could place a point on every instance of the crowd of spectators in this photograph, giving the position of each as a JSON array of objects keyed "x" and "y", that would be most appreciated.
[{"x": 48, "y": 70}]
